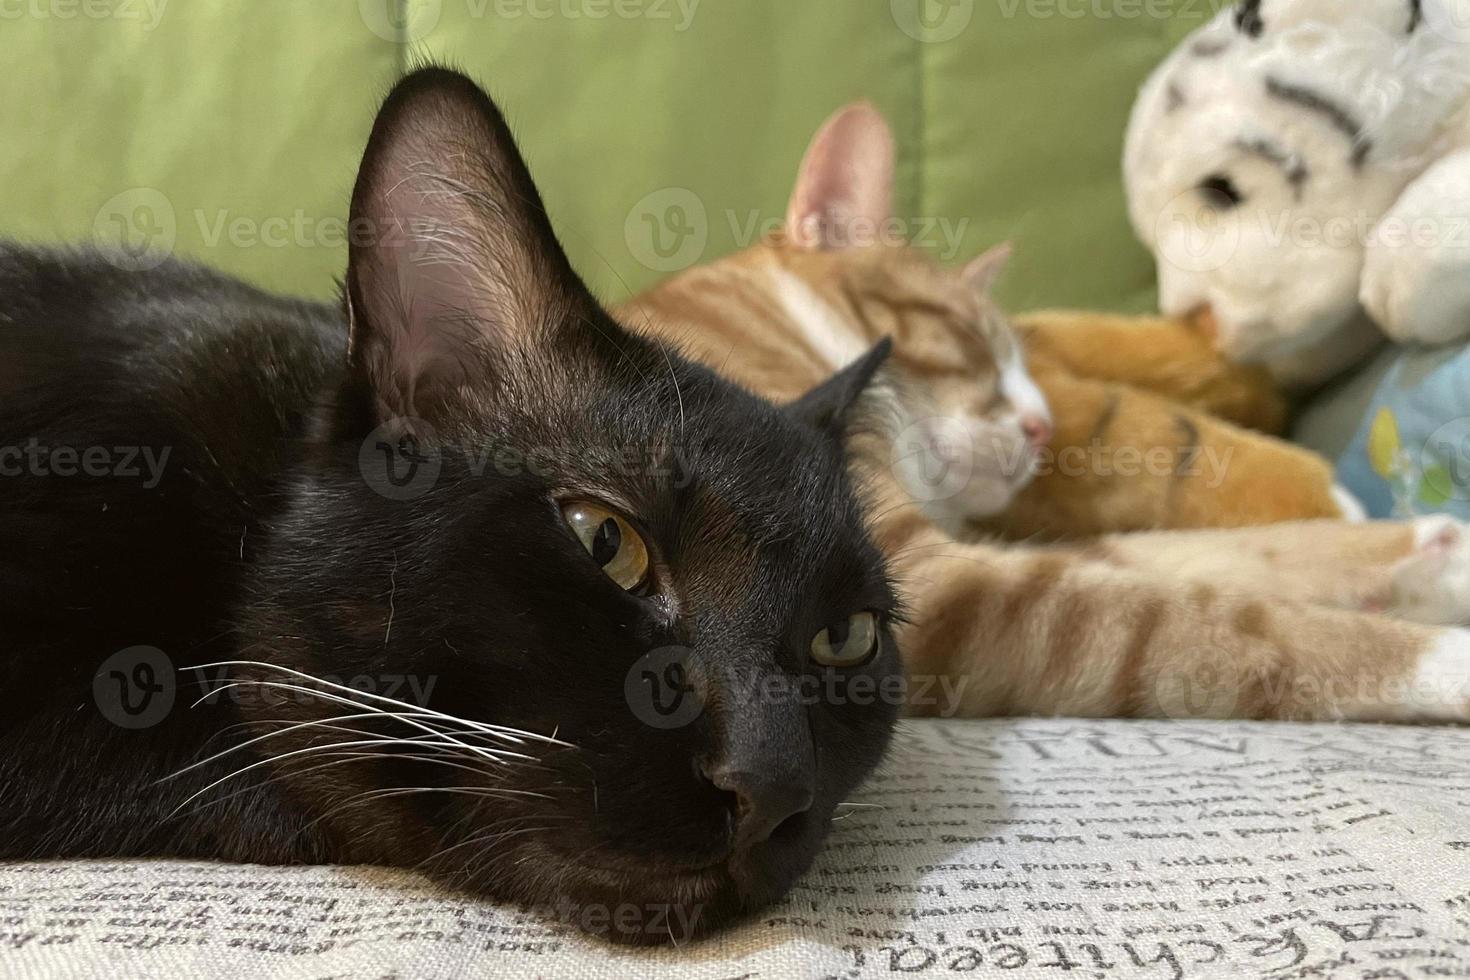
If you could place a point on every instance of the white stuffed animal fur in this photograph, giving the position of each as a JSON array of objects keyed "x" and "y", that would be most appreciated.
[{"x": 1295, "y": 163}]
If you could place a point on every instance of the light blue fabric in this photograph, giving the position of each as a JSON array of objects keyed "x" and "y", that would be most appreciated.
[{"x": 1427, "y": 394}]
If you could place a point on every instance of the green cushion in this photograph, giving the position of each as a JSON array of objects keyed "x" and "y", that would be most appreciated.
[{"x": 663, "y": 131}]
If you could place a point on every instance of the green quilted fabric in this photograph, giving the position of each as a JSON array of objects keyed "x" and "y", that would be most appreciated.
[{"x": 663, "y": 132}]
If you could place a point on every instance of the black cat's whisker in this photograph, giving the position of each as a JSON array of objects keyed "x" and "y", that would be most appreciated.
[
  {"x": 324, "y": 747},
  {"x": 443, "y": 737},
  {"x": 347, "y": 757},
  {"x": 520, "y": 762},
  {"x": 487, "y": 836},
  {"x": 379, "y": 794},
  {"x": 510, "y": 733},
  {"x": 855, "y": 807},
  {"x": 509, "y": 757},
  {"x": 407, "y": 717},
  {"x": 310, "y": 749}
]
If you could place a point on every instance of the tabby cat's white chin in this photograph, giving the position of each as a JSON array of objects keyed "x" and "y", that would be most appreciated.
[{"x": 962, "y": 470}]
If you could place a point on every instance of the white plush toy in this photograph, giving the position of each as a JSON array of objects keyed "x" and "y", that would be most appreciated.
[{"x": 1298, "y": 162}]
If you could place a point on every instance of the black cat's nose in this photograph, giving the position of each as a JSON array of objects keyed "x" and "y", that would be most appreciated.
[{"x": 763, "y": 801}]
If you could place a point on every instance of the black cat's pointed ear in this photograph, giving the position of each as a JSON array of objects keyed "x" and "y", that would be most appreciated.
[
  {"x": 826, "y": 406},
  {"x": 452, "y": 257}
]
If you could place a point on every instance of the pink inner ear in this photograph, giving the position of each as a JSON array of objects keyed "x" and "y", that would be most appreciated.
[
  {"x": 844, "y": 193},
  {"x": 982, "y": 272}
]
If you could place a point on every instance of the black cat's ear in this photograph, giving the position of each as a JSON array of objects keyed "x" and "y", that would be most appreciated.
[
  {"x": 826, "y": 406},
  {"x": 452, "y": 256}
]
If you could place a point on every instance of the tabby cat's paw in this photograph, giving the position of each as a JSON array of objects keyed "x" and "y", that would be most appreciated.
[
  {"x": 1440, "y": 691},
  {"x": 1432, "y": 585}
]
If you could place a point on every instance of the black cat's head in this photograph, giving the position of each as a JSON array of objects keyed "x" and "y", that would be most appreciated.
[{"x": 639, "y": 629}]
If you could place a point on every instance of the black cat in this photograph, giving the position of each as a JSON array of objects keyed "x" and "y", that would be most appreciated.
[{"x": 468, "y": 577}]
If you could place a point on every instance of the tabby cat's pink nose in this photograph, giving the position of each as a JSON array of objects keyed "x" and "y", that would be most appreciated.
[{"x": 1037, "y": 429}]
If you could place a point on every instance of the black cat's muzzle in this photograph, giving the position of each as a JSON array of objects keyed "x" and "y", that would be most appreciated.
[{"x": 652, "y": 902}]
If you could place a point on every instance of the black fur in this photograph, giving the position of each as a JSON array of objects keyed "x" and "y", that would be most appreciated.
[{"x": 268, "y": 539}]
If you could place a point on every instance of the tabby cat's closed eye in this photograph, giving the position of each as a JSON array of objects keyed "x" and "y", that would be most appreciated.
[
  {"x": 849, "y": 644},
  {"x": 612, "y": 542}
]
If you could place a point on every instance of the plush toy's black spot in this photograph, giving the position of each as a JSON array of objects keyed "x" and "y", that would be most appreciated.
[
  {"x": 1416, "y": 14},
  {"x": 1248, "y": 18},
  {"x": 1174, "y": 97},
  {"x": 1338, "y": 115},
  {"x": 1220, "y": 192}
]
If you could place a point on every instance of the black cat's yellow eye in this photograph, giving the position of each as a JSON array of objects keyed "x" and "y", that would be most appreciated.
[
  {"x": 848, "y": 644},
  {"x": 611, "y": 541}
]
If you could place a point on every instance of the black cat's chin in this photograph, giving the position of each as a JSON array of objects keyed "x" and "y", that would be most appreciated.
[{"x": 650, "y": 901}]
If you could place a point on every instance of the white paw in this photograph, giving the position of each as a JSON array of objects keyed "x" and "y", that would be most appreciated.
[
  {"x": 1352, "y": 508},
  {"x": 1433, "y": 584},
  {"x": 1440, "y": 689}
]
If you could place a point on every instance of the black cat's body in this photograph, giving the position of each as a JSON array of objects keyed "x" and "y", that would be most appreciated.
[
  {"x": 433, "y": 673},
  {"x": 210, "y": 381}
]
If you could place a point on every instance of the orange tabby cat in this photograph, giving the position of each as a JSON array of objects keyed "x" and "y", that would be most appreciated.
[
  {"x": 1146, "y": 427},
  {"x": 1276, "y": 622}
]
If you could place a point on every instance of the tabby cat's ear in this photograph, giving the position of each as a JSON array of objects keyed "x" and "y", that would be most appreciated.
[
  {"x": 982, "y": 273},
  {"x": 844, "y": 193},
  {"x": 452, "y": 256},
  {"x": 826, "y": 406}
]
